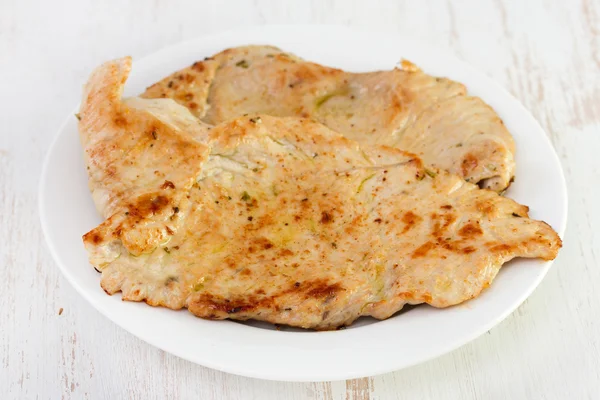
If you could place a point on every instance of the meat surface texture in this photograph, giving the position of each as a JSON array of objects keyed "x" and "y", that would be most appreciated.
[
  {"x": 282, "y": 219},
  {"x": 404, "y": 108}
]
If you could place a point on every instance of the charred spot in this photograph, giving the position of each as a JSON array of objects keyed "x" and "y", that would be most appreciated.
[
  {"x": 468, "y": 250},
  {"x": 286, "y": 253},
  {"x": 422, "y": 250},
  {"x": 321, "y": 289},
  {"x": 500, "y": 248},
  {"x": 486, "y": 206},
  {"x": 148, "y": 204},
  {"x": 168, "y": 185},
  {"x": 297, "y": 284},
  {"x": 171, "y": 279},
  {"x": 192, "y": 105},
  {"x": 158, "y": 203},
  {"x": 215, "y": 307},
  {"x": 94, "y": 237},
  {"x": 120, "y": 120},
  {"x": 410, "y": 220},
  {"x": 470, "y": 230},
  {"x": 441, "y": 223},
  {"x": 198, "y": 66},
  {"x": 469, "y": 163},
  {"x": 263, "y": 243},
  {"x": 326, "y": 217},
  {"x": 447, "y": 207}
]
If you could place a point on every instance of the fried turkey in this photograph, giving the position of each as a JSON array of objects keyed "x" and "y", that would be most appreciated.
[
  {"x": 404, "y": 108},
  {"x": 282, "y": 219}
]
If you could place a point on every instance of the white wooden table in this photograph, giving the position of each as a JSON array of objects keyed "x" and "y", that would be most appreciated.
[{"x": 546, "y": 52}]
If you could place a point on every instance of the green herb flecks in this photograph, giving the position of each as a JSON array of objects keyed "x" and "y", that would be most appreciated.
[
  {"x": 242, "y": 64},
  {"x": 362, "y": 183},
  {"x": 430, "y": 173},
  {"x": 275, "y": 190}
]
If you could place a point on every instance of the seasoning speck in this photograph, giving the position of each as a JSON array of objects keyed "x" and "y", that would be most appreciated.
[
  {"x": 242, "y": 64},
  {"x": 430, "y": 173}
]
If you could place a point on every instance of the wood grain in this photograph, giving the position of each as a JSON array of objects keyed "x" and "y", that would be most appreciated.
[{"x": 545, "y": 52}]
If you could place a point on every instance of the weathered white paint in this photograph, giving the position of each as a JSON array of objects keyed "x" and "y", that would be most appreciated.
[{"x": 546, "y": 52}]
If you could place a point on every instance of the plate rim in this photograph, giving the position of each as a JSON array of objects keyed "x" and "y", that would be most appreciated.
[{"x": 307, "y": 376}]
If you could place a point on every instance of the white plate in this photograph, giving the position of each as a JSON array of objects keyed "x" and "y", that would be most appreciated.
[{"x": 367, "y": 347}]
